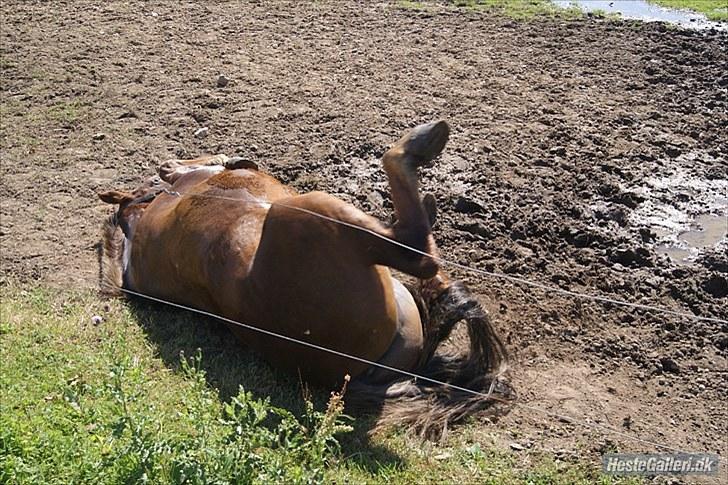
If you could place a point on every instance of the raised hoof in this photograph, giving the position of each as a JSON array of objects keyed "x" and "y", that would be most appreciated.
[{"x": 425, "y": 142}]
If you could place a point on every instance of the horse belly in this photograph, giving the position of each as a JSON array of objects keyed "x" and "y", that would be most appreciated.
[{"x": 352, "y": 311}]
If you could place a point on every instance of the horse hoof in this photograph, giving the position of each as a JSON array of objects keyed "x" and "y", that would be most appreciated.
[
  {"x": 167, "y": 170},
  {"x": 239, "y": 162},
  {"x": 425, "y": 142}
]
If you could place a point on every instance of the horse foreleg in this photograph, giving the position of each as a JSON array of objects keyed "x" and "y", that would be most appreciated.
[{"x": 171, "y": 170}]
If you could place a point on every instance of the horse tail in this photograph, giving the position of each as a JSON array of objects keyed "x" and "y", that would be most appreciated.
[
  {"x": 428, "y": 408},
  {"x": 111, "y": 252}
]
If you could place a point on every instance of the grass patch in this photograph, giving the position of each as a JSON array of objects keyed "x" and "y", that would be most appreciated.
[
  {"x": 522, "y": 9},
  {"x": 115, "y": 403},
  {"x": 529, "y": 9},
  {"x": 92, "y": 404},
  {"x": 6, "y": 63},
  {"x": 713, "y": 9},
  {"x": 411, "y": 4},
  {"x": 67, "y": 112}
]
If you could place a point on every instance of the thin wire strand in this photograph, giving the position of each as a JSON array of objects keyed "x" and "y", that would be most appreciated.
[
  {"x": 562, "y": 417},
  {"x": 439, "y": 259}
]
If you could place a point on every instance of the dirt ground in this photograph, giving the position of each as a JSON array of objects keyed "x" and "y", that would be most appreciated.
[{"x": 555, "y": 127}]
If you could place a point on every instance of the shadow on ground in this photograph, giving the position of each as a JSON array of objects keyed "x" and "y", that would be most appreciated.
[{"x": 228, "y": 366}]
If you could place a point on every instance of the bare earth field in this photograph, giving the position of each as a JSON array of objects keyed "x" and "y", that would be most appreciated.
[{"x": 558, "y": 127}]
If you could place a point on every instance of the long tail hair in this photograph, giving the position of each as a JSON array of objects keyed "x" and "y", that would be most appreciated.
[{"x": 427, "y": 408}]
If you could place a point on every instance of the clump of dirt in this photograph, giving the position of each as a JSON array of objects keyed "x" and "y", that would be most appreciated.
[{"x": 557, "y": 129}]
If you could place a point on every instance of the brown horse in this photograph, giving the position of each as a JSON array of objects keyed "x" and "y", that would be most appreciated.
[{"x": 219, "y": 235}]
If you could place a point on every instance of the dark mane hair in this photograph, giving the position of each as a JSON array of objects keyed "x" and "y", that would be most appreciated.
[{"x": 111, "y": 250}]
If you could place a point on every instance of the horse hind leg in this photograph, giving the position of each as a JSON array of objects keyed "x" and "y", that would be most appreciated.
[
  {"x": 415, "y": 149},
  {"x": 415, "y": 216}
]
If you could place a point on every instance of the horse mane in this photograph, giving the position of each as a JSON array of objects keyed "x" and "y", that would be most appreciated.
[
  {"x": 111, "y": 273},
  {"x": 427, "y": 408}
]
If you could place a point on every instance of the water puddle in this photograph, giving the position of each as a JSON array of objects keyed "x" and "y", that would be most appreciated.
[
  {"x": 645, "y": 11},
  {"x": 710, "y": 230},
  {"x": 688, "y": 214}
]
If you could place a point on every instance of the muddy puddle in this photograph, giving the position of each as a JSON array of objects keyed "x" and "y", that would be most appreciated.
[
  {"x": 686, "y": 214},
  {"x": 709, "y": 232},
  {"x": 645, "y": 11}
]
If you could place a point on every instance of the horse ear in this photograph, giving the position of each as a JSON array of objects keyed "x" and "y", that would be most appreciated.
[
  {"x": 115, "y": 197},
  {"x": 430, "y": 205}
]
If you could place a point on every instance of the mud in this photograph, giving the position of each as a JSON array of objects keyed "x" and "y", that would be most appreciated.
[
  {"x": 687, "y": 214},
  {"x": 558, "y": 130}
]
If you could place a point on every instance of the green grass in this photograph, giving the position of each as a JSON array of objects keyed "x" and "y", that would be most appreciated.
[
  {"x": 411, "y": 4},
  {"x": 713, "y": 9},
  {"x": 521, "y": 9},
  {"x": 116, "y": 403},
  {"x": 517, "y": 9},
  {"x": 530, "y": 9},
  {"x": 92, "y": 404},
  {"x": 6, "y": 63},
  {"x": 67, "y": 112}
]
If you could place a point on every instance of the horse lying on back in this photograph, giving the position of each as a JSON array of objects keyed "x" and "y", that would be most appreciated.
[{"x": 219, "y": 235}]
